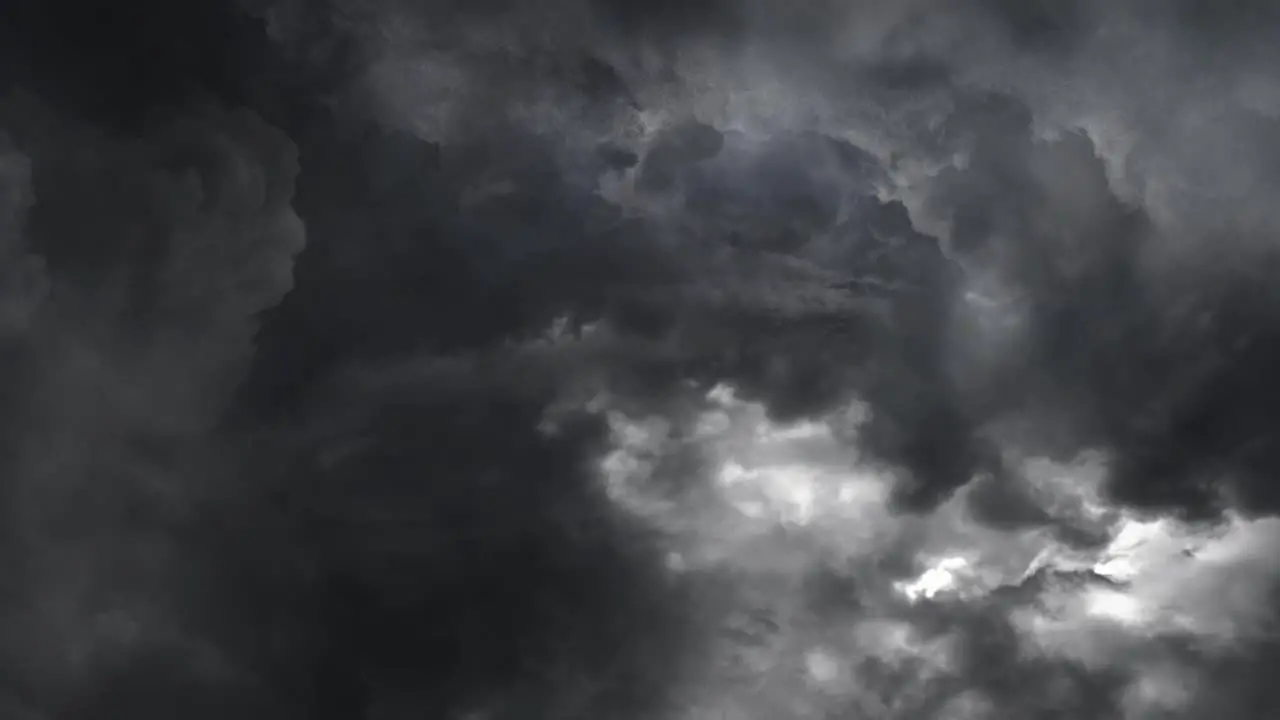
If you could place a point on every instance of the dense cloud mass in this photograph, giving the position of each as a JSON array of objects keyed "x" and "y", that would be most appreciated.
[{"x": 593, "y": 359}]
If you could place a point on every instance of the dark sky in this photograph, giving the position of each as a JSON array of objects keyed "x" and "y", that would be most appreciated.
[{"x": 744, "y": 360}]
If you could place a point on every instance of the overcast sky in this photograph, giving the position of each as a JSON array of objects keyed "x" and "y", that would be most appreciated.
[{"x": 600, "y": 360}]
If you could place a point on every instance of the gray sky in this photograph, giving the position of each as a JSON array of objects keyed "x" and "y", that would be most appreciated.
[{"x": 587, "y": 359}]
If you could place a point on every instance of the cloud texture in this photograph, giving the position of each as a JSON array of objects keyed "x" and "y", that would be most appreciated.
[{"x": 712, "y": 359}]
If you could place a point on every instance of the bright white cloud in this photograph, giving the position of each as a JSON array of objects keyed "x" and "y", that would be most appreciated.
[{"x": 776, "y": 503}]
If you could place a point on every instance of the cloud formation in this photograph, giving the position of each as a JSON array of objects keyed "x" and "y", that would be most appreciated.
[
  {"x": 134, "y": 271},
  {"x": 662, "y": 360}
]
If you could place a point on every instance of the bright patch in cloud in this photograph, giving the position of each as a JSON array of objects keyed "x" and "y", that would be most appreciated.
[
  {"x": 1114, "y": 605},
  {"x": 943, "y": 576},
  {"x": 773, "y": 505}
]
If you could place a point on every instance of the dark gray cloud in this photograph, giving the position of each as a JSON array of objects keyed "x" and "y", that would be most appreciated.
[
  {"x": 368, "y": 483},
  {"x": 135, "y": 268}
]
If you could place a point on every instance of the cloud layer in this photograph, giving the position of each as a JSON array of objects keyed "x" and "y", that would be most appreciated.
[{"x": 667, "y": 360}]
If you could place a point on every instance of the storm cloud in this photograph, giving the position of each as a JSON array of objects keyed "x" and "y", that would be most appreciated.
[{"x": 638, "y": 360}]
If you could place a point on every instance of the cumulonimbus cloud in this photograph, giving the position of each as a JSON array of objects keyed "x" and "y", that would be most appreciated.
[{"x": 765, "y": 359}]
